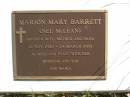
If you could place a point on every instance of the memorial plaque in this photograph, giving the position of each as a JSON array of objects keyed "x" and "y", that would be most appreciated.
[{"x": 59, "y": 45}]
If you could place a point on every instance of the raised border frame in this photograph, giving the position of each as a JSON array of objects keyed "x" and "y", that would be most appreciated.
[{"x": 17, "y": 77}]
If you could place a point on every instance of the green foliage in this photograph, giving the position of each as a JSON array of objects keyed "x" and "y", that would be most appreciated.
[{"x": 66, "y": 94}]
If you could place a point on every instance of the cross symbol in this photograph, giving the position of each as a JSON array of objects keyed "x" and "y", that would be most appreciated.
[{"x": 21, "y": 32}]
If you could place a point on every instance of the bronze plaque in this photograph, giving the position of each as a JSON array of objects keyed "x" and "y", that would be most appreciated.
[{"x": 59, "y": 45}]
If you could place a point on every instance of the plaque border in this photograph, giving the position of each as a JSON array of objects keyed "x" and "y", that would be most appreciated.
[{"x": 17, "y": 77}]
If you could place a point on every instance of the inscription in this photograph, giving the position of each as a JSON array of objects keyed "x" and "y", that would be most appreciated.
[
  {"x": 61, "y": 68},
  {"x": 60, "y": 21},
  {"x": 60, "y": 44}
]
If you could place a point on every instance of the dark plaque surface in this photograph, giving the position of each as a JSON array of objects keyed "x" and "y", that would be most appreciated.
[{"x": 59, "y": 45}]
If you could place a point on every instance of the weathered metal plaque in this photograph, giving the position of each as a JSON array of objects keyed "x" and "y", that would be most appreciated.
[{"x": 54, "y": 45}]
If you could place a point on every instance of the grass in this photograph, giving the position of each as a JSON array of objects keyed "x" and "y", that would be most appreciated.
[{"x": 67, "y": 94}]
